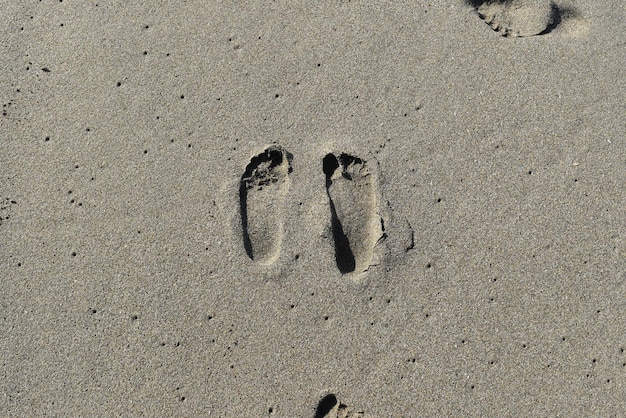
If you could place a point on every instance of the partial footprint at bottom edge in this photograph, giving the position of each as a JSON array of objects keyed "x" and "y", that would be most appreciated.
[
  {"x": 356, "y": 225},
  {"x": 520, "y": 18},
  {"x": 329, "y": 407},
  {"x": 261, "y": 196}
]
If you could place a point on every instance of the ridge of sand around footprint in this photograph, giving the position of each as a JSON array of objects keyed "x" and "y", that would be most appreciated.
[
  {"x": 261, "y": 194},
  {"x": 353, "y": 205}
]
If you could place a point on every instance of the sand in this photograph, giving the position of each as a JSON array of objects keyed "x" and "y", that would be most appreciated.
[{"x": 308, "y": 209}]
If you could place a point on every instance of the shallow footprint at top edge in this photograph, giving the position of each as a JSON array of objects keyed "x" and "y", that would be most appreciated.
[{"x": 519, "y": 18}]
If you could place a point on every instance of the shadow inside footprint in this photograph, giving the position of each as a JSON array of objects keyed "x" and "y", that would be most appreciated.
[
  {"x": 261, "y": 193},
  {"x": 326, "y": 405}
]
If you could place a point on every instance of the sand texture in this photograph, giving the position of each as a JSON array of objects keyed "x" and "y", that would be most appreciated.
[{"x": 313, "y": 208}]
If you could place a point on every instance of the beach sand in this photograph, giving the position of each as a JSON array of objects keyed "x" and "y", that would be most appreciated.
[{"x": 308, "y": 209}]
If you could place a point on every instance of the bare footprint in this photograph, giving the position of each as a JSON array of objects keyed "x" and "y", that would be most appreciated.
[
  {"x": 329, "y": 407},
  {"x": 356, "y": 226},
  {"x": 261, "y": 196},
  {"x": 518, "y": 18}
]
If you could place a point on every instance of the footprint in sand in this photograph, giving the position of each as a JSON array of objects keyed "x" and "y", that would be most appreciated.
[
  {"x": 518, "y": 18},
  {"x": 329, "y": 407},
  {"x": 261, "y": 195},
  {"x": 355, "y": 223}
]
